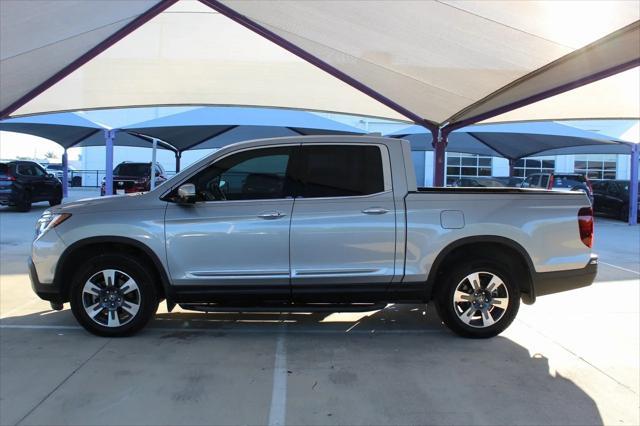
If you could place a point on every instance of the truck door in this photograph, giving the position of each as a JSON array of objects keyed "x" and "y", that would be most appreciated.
[
  {"x": 343, "y": 229},
  {"x": 236, "y": 235}
]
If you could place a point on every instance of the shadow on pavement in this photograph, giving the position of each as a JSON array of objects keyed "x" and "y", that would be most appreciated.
[{"x": 394, "y": 366}]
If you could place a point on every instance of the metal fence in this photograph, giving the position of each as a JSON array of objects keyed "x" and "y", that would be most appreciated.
[{"x": 91, "y": 178}]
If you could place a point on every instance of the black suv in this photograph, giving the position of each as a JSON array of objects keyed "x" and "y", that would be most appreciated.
[
  {"x": 134, "y": 177},
  {"x": 611, "y": 198},
  {"x": 26, "y": 182}
]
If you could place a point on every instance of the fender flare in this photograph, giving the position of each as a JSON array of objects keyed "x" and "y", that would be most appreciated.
[
  {"x": 164, "y": 278},
  {"x": 528, "y": 298}
]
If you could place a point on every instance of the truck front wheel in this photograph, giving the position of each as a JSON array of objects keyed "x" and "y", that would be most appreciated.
[
  {"x": 113, "y": 295},
  {"x": 478, "y": 300}
]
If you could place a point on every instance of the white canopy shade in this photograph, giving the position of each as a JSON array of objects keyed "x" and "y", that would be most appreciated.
[{"x": 434, "y": 62}]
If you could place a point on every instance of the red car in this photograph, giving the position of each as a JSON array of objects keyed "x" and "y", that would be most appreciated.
[{"x": 131, "y": 177}]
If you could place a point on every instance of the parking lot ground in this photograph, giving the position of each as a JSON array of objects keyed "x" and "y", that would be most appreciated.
[{"x": 571, "y": 358}]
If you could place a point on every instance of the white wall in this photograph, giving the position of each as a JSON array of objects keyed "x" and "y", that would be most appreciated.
[
  {"x": 499, "y": 166},
  {"x": 623, "y": 170}
]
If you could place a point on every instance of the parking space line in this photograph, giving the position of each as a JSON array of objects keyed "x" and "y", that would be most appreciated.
[
  {"x": 620, "y": 267},
  {"x": 233, "y": 331},
  {"x": 278, "y": 409}
]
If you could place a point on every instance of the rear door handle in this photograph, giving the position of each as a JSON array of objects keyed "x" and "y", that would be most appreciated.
[
  {"x": 375, "y": 210},
  {"x": 271, "y": 215}
]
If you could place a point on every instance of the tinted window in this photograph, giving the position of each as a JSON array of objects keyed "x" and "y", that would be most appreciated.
[
  {"x": 249, "y": 175},
  {"x": 4, "y": 169},
  {"x": 37, "y": 170},
  {"x": 341, "y": 170},
  {"x": 132, "y": 169},
  {"x": 569, "y": 181},
  {"x": 544, "y": 181}
]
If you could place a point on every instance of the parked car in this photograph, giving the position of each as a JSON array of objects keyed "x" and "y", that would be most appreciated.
[
  {"x": 510, "y": 181},
  {"x": 25, "y": 182},
  {"x": 56, "y": 170},
  {"x": 131, "y": 177},
  {"x": 611, "y": 198},
  {"x": 478, "y": 182},
  {"x": 560, "y": 182},
  {"x": 312, "y": 223}
]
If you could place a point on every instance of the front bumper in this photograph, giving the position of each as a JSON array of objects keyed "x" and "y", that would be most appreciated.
[
  {"x": 45, "y": 291},
  {"x": 556, "y": 282}
]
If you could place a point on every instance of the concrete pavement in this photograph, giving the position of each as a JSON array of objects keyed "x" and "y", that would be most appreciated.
[{"x": 572, "y": 358}]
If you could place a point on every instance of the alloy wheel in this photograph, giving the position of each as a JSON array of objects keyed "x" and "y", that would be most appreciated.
[
  {"x": 480, "y": 299},
  {"x": 111, "y": 298}
]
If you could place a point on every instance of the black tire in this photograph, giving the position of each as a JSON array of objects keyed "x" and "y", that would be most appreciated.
[
  {"x": 56, "y": 201},
  {"x": 624, "y": 213},
  {"x": 147, "y": 293},
  {"x": 444, "y": 300},
  {"x": 25, "y": 204}
]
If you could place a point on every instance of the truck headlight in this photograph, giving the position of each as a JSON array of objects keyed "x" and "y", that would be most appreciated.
[{"x": 49, "y": 220}]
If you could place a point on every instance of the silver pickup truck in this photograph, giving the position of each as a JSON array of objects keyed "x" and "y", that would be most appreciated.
[{"x": 311, "y": 223}]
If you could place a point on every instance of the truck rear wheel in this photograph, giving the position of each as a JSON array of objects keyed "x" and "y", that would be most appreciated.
[
  {"x": 113, "y": 295},
  {"x": 478, "y": 300}
]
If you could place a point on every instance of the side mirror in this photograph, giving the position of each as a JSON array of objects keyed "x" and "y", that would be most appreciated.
[
  {"x": 50, "y": 175},
  {"x": 187, "y": 193}
]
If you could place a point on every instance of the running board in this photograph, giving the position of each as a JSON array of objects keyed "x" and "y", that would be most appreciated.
[{"x": 297, "y": 307}]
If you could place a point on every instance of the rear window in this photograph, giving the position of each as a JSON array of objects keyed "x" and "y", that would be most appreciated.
[
  {"x": 4, "y": 169},
  {"x": 341, "y": 170},
  {"x": 133, "y": 169},
  {"x": 569, "y": 181}
]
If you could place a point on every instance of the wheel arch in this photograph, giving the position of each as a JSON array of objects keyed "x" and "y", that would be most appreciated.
[
  {"x": 479, "y": 244},
  {"x": 89, "y": 247}
]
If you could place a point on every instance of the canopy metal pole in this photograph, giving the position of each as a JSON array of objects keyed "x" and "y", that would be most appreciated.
[
  {"x": 65, "y": 175},
  {"x": 109, "y": 137},
  {"x": 178, "y": 155},
  {"x": 153, "y": 163},
  {"x": 512, "y": 165},
  {"x": 439, "y": 144},
  {"x": 633, "y": 186}
]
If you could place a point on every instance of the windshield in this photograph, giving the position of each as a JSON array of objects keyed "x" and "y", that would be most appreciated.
[
  {"x": 133, "y": 169},
  {"x": 569, "y": 181},
  {"x": 54, "y": 166}
]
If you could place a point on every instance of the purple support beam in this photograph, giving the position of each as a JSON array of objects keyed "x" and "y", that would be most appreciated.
[
  {"x": 312, "y": 59},
  {"x": 439, "y": 144},
  {"x": 87, "y": 56},
  {"x": 65, "y": 175},
  {"x": 633, "y": 185},
  {"x": 109, "y": 138},
  {"x": 178, "y": 155}
]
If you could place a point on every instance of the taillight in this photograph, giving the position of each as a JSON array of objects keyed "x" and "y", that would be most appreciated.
[
  {"x": 550, "y": 182},
  {"x": 585, "y": 224}
]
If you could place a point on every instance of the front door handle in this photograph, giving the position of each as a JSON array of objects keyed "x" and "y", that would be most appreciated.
[
  {"x": 271, "y": 215},
  {"x": 375, "y": 210}
]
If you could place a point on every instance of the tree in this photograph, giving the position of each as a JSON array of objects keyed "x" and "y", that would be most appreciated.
[{"x": 50, "y": 155}]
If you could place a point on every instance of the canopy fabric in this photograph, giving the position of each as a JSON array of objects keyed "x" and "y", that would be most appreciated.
[
  {"x": 71, "y": 130},
  {"x": 217, "y": 126},
  {"x": 517, "y": 140},
  {"x": 445, "y": 62},
  {"x": 450, "y": 61},
  {"x": 38, "y": 38},
  {"x": 190, "y": 54}
]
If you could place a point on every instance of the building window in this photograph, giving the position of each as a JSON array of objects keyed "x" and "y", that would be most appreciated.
[
  {"x": 527, "y": 166},
  {"x": 596, "y": 166},
  {"x": 459, "y": 165}
]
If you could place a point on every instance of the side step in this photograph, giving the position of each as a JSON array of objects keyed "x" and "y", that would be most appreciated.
[{"x": 294, "y": 307}]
